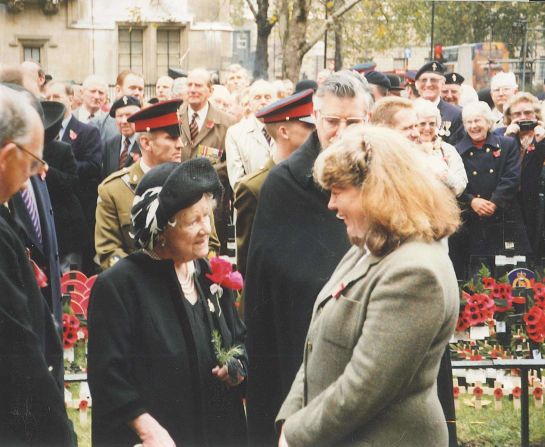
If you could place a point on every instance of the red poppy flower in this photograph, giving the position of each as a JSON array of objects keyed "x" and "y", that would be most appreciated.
[
  {"x": 496, "y": 153},
  {"x": 233, "y": 281},
  {"x": 517, "y": 392},
  {"x": 478, "y": 392},
  {"x": 539, "y": 300},
  {"x": 222, "y": 274},
  {"x": 209, "y": 124},
  {"x": 475, "y": 357},
  {"x": 498, "y": 393},
  {"x": 539, "y": 288},
  {"x": 455, "y": 391},
  {"x": 519, "y": 300},
  {"x": 83, "y": 405},
  {"x": 488, "y": 282},
  {"x": 41, "y": 277},
  {"x": 538, "y": 393}
]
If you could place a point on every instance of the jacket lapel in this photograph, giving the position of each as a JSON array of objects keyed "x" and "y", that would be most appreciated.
[{"x": 206, "y": 127}]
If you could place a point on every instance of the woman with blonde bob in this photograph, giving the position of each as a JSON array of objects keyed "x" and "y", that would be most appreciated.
[{"x": 382, "y": 322}]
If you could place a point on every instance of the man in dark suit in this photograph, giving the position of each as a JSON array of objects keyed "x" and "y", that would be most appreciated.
[
  {"x": 295, "y": 245},
  {"x": 122, "y": 150},
  {"x": 429, "y": 81},
  {"x": 87, "y": 148},
  {"x": 32, "y": 408}
]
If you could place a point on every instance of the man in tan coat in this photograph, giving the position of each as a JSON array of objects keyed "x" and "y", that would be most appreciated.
[
  {"x": 160, "y": 142},
  {"x": 203, "y": 130}
]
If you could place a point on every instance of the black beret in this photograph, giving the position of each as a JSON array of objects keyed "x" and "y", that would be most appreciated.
[
  {"x": 53, "y": 116},
  {"x": 431, "y": 67},
  {"x": 305, "y": 84},
  {"x": 155, "y": 177},
  {"x": 124, "y": 101},
  {"x": 454, "y": 78},
  {"x": 185, "y": 186},
  {"x": 378, "y": 78},
  {"x": 395, "y": 82}
]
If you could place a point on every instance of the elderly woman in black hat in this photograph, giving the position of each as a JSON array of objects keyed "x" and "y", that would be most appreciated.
[{"x": 160, "y": 328}]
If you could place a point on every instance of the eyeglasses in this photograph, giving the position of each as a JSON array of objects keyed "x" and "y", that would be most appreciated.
[
  {"x": 37, "y": 165},
  {"x": 335, "y": 121},
  {"x": 432, "y": 81}
]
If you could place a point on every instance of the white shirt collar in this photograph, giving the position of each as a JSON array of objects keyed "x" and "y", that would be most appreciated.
[
  {"x": 201, "y": 115},
  {"x": 144, "y": 166}
]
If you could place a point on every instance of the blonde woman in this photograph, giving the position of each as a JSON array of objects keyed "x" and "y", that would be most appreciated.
[
  {"x": 381, "y": 324},
  {"x": 444, "y": 158}
]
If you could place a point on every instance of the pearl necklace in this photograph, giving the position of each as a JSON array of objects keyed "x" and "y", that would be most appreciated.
[{"x": 187, "y": 281}]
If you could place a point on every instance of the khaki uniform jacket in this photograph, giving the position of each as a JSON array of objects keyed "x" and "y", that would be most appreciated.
[
  {"x": 113, "y": 216},
  {"x": 246, "y": 198},
  {"x": 378, "y": 331}
]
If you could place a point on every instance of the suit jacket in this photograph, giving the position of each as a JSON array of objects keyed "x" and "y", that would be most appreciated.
[
  {"x": 32, "y": 408},
  {"x": 113, "y": 216},
  {"x": 247, "y": 149},
  {"x": 46, "y": 253},
  {"x": 106, "y": 126},
  {"x": 63, "y": 183},
  {"x": 87, "y": 147},
  {"x": 112, "y": 149},
  {"x": 379, "y": 328},
  {"x": 210, "y": 142},
  {"x": 452, "y": 127},
  {"x": 296, "y": 244}
]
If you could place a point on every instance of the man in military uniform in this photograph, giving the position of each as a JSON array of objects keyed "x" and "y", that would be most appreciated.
[
  {"x": 160, "y": 142},
  {"x": 429, "y": 81},
  {"x": 289, "y": 122},
  {"x": 203, "y": 135}
]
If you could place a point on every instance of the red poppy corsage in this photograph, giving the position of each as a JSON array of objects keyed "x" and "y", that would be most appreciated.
[
  {"x": 209, "y": 124},
  {"x": 496, "y": 153},
  {"x": 339, "y": 291}
]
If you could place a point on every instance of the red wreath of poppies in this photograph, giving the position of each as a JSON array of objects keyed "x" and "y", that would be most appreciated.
[{"x": 535, "y": 324}]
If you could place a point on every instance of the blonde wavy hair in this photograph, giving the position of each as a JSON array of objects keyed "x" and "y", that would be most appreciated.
[{"x": 400, "y": 199}]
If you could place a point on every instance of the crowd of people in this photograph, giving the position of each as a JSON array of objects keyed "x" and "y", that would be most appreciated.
[{"x": 351, "y": 204}]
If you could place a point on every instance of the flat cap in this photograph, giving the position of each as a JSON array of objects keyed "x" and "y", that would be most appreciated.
[
  {"x": 454, "y": 78},
  {"x": 378, "y": 78},
  {"x": 124, "y": 101},
  {"x": 160, "y": 116},
  {"x": 295, "y": 107},
  {"x": 431, "y": 67}
]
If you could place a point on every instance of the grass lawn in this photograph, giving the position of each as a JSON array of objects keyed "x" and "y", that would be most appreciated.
[{"x": 488, "y": 427}]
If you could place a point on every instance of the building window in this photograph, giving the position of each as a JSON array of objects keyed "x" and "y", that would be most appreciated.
[
  {"x": 131, "y": 54},
  {"x": 32, "y": 54},
  {"x": 168, "y": 50},
  {"x": 242, "y": 41}
]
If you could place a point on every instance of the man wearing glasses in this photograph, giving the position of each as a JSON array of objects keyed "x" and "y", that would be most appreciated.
[
  {"x": 429, "y": 81},
  {"x": 295, "y": 245},
  {"x": 31, "y": 398}
]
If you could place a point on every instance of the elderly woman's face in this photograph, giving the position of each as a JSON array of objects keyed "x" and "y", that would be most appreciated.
[
  {"x": 346, "y": 201},
  {"x": 427, "y": 126},
  {"x": 188, "y": 239},
  {"x": 477, "y": 127}
]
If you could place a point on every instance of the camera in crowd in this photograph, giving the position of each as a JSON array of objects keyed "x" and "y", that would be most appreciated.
[{"x": 527, "y": 125}]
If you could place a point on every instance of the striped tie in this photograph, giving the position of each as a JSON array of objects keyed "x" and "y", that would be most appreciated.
[
  {"x": 193, "y": 128},
  {"x": 124, "y": 153},
  {"x": 30, "y": 205},
  {"x": 266, "y": 135}
]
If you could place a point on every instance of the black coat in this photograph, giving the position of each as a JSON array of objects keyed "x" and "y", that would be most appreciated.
[
  {"x": 143, "y": 357},
  {"x": 32, "y": 408},
  {"x": 451, "y": 114},
  {"x": 493, "y": 173},
  {"x": 45, "y": 254},
  {"x": 63, "y": 183},
  {"x": 296, "y": 244},
  {"x": 110, "y": 158},
  {"x": 528, "y": 197}
]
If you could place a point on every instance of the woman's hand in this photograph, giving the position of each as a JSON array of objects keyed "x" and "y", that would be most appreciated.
[
  {"x": 151, "y": 433},
  {"x": 222, "y": 374},
  {"x": 512, "y": 129},
  {"x": 483, "y": 207},
  {"x": 539, "y": 131}
]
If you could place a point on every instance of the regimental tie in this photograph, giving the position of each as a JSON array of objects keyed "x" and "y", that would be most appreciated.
[
  {"x": 124, "y": 153},
  {"x": 193, "y": 127},
  {"x": 266, "y": 135},
  {"x": 32, "y": 209}
]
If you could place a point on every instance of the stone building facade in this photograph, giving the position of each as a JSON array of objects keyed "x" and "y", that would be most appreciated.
[{"x": 74, "y": 38}]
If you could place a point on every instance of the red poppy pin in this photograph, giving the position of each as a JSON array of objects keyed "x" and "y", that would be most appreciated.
[
  {"x": 531, "y": 148},
  {"x": 496, "y": 153},
  {"x": 339, "y": 291},
  {"x": 498, "y": 393},
  {"x": 73, "y": 135},
  {"x": 478, "y": 392},
  {"x": 41, "y": 277},
  {"x": 517, "y": 392},
  {"x": 209, "y": 124}
]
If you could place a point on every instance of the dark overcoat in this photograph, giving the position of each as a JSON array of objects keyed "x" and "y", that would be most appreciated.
[
  {"x": 296, "y": 244},
  {"x": 32, "y": 408},
  {"x": 63, "y": 183},
  {"x": 111, "y": 153},
  {"x": 143, "y": 358},
  {"x": 493, "y": 173}
]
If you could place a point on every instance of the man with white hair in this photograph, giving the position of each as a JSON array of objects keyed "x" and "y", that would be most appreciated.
[
  {"x": 32, "y": 410},
  {"x": 247, "y": 143},
  {"x": 94, "y": 95},
  {"x": 503, "y": 86},
  {"x": 163, "y": 88}
]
